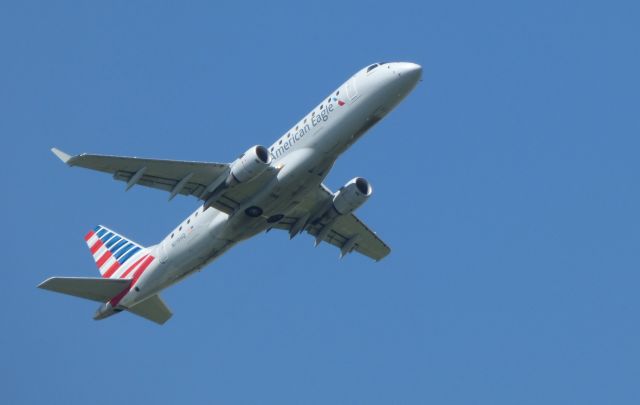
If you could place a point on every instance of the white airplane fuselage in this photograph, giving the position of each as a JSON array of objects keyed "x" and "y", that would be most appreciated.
[{"x": 303, "y": 157}]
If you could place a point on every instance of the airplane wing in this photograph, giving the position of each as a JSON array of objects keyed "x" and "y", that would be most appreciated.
[
  {"x": 197, "y": 179},
  {"x": 346, "y": 232}
]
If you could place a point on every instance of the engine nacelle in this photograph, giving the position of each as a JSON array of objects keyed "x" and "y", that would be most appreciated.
[
  {"x": 250, "y": 164},
  {"x": 352, "y": 195}
]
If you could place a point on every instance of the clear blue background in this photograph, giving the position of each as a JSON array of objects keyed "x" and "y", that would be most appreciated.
[{"x": 506, "y": 184}]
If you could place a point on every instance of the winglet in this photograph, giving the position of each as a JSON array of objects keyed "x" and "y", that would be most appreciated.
[{"x": 61, "y": 155}]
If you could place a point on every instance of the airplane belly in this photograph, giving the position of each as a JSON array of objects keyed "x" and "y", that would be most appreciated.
[{"x": 300, "y": 171}]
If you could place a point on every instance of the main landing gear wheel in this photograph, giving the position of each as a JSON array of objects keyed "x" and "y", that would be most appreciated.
[{"x": 253, "y": 211}]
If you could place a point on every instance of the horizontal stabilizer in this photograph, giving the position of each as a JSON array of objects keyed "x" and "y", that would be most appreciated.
[
  {"x": 153, "y": 308},
  {"x": 95, "y": 289}
]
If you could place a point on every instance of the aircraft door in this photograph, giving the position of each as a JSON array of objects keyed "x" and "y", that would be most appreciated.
[{"x": 352, "y": 90}]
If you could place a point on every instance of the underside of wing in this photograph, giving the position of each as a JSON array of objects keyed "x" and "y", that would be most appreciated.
[
  {"x": 198, "y": 179},
  {"x": 346, "y": 232},
  {"x": 174, "y": 176}
]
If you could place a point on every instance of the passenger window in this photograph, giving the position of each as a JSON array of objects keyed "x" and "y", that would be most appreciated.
[
  {"x": 172, "y": 236},
  {"x": 196, "y": 213},
  {"x": 280, "y": 142},
  {"x": 180, "y": 228},
  {"x": 305, "y": 120},
  {"x": 189, "y": 220},
  {"x": 321, "y": 106},
  {"x": 338, "y": 93}
]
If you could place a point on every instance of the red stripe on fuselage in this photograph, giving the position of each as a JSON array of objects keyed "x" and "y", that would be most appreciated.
[
  {"x": 141, "y": 269},
  {"x": 116, "y": 300},
  {"x": 126, "y": 273}
]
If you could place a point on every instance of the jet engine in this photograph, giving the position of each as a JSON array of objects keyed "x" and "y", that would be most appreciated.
[
  {"x": 250, "y": 164},
  {"x": 352, "y": 195}
]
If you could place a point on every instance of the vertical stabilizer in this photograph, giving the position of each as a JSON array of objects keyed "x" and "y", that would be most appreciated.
[{"x": 113, "y": 253}]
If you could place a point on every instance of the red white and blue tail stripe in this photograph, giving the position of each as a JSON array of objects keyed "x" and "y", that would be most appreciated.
[{"x": 115, "y": 255}]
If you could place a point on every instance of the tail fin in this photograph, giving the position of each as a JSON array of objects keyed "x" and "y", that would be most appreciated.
[{"x": 111, "y": 251}]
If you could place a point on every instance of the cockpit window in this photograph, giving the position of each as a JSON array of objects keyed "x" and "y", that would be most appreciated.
[
  {"x": 370, "y": 68},
  {"x": 382, "y": 63}
]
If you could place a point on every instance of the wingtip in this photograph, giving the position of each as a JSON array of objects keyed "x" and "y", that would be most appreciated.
[
  {"x": 43, "y": 284},
  {"x": 61, "y": 155}
]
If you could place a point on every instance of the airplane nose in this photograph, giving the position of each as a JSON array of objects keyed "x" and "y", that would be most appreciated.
[{"x": 412, "y": 71}]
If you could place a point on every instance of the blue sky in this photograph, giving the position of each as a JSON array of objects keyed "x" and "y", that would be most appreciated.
[{"x": 506, "y": 185}]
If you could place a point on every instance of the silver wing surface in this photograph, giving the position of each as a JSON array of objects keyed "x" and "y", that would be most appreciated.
[
  {"x": 346, "y": 232},
  {"x": 189, "y": 178}
]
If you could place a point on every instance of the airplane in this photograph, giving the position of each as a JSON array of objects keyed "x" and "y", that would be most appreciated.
[{"x": 276, "y": 187}]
